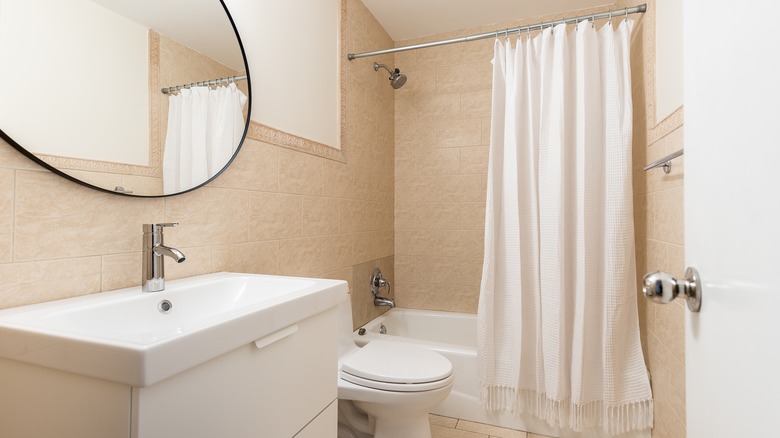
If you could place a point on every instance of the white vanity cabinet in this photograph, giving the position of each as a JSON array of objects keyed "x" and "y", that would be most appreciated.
[
  {"x": 273, "y": 391},
  {"x": 283, "y": 385}
]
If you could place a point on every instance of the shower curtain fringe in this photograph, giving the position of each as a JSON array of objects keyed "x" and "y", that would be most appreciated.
[{"x": 614, "y": 419}]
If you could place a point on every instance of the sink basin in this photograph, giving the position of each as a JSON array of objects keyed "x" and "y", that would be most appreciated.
[{"x": 140, "y": 338}]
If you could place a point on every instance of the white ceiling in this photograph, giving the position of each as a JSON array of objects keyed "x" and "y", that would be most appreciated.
[
  {"x": 405, "y": 19},
  {"x": 200, "y": 25}
]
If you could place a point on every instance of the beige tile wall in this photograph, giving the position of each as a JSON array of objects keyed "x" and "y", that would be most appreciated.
[
  {"x": 442, "y": 123},
  {"x": 442, "y": 133},
  {"x": 660, "y": 247},
  {"x": 659, "y": 226},
  {"x": 274, "y": 211}
]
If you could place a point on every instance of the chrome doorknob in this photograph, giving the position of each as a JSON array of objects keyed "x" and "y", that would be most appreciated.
[{"x": 660, "y": 287}]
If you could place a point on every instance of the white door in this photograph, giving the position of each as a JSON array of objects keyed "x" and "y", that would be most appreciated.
[{"x": 732, "y": 216}]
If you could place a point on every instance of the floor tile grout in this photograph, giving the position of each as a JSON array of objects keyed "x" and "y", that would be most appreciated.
[{"x": 460, "y": 425}]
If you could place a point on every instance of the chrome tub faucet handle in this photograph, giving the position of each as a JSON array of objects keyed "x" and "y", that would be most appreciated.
[{"x": 377, "y": 283}]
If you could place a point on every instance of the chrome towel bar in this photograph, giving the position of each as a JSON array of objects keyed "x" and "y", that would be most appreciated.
[{"x": 666, "y": 161}]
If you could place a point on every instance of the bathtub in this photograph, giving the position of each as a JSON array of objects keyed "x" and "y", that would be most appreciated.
[{"x": 454, "y": 335}]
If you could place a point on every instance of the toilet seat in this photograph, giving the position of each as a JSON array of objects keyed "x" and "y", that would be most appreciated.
[{"x": 396, "y": 366}]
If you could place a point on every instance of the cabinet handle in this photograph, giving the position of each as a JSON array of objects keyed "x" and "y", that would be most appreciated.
[{"x": 276, "y": 336}]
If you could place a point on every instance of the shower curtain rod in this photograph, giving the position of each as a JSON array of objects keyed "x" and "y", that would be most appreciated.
[
  {"x": 169, "y": 90},
  {"x": 616, "y": 13}
]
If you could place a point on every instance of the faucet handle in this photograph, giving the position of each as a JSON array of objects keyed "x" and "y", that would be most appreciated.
[
  {"x": 157, "y": 228},
  {"x": 378, "y": 282}
]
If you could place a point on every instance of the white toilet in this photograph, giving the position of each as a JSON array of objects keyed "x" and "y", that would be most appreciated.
[{"x": 386, "y": 388}]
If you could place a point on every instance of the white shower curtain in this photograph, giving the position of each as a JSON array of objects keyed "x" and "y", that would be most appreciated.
[
  {"x": 558, "y": 326},
  {"x": 204, "y": 128}
]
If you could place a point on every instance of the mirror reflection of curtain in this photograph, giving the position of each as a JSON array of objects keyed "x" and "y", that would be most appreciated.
[{"x": 204, "y": 128}]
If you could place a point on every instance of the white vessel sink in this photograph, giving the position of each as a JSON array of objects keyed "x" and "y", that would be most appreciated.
[{"x": 127, "y": 336}]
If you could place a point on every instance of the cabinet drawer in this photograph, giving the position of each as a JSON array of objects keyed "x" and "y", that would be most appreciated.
[{"x": 273, "y": 391}]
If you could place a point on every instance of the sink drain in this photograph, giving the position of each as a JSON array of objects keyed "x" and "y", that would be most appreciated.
[{"x": 165, "y": 306}]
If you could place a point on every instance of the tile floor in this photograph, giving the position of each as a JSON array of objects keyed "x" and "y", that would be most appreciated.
[{"x": 446, "y": 427}]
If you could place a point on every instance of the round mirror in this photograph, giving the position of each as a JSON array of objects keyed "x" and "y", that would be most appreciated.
[{"x": 144, "y": 98}]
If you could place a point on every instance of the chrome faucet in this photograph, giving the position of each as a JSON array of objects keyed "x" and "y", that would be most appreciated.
[
  {"x": 378, "y": 282},
  {"x": 153, "y": 279}
]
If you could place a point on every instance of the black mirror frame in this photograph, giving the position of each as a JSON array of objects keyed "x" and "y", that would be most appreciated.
[{"x": 54, "y": 170}]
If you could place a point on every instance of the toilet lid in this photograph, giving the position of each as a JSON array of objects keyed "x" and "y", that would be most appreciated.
[{"x": 397, "y": 363}]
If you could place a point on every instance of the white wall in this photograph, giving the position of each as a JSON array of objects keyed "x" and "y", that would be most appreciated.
[
  {"x": 292, "y": 48},
  {"x": 80, "y": 87},
  {"x": 668, "y": 57}
]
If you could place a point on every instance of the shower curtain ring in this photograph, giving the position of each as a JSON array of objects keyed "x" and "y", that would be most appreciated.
[{"x": 609, "y": 20}]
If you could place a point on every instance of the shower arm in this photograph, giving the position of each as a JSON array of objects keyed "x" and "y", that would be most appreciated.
[{"x": 377, "y": 65}]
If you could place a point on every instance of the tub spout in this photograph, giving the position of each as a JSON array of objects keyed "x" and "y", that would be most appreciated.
[{"x": 379, "y": 301}]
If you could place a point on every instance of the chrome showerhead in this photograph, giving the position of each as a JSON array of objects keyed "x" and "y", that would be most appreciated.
[{"x": 397, "y": 79}]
